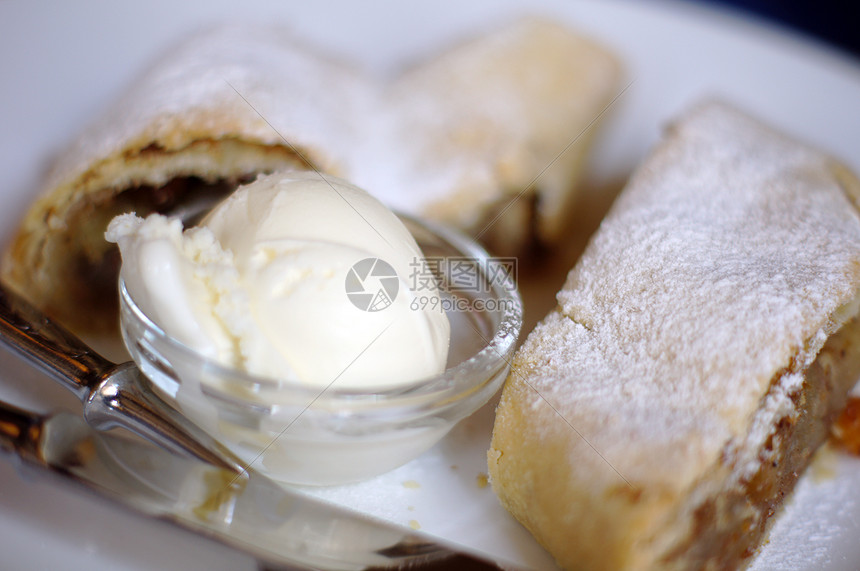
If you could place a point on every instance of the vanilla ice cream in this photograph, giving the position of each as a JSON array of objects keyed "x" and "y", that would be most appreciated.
[{"x": 295, "y": 276}]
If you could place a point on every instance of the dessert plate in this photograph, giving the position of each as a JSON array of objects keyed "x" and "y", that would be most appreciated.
[{"x": 61, "y": 66}]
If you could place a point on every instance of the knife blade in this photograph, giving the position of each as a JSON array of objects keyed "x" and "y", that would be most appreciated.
[{"x": 277, "y": 525}]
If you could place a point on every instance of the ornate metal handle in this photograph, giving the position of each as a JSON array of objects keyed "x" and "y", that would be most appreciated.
[
  {"x": 112, "y": 394},
  {"x": 27, "y": 331}
]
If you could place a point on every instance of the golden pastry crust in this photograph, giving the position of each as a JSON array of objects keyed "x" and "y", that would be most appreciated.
[
  {"x": 182, "y": 130},
  {"x": 657, "y": 418},
  {"x": 215, "y": 110},
  {"x": 500, "y": 127}
]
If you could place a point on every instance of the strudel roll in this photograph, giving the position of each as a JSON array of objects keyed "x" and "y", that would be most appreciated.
[
  {"x": 206, "y": 117},
  {"x": 461, "y": 138},
  {"x": 493, "y": 134},
  {"x": 701, "y": 347}
]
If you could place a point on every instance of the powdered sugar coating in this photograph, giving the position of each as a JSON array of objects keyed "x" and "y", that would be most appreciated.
[
  {"x": 230, "y": 81},
  {"x": 639, "y": 416},
  {"x": 449, "y": 138},
  {"x": 726, "y": 256},
  {"x": 482, "y": 122}
]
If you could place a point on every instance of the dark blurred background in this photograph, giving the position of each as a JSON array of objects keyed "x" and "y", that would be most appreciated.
[{"x": 830, "y": 21}]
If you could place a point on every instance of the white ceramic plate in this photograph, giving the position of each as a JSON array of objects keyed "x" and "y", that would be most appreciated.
[{"x": 61, "y": 64}]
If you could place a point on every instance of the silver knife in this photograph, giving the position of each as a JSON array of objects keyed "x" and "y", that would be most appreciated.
[{"x": 276, "y": 525}]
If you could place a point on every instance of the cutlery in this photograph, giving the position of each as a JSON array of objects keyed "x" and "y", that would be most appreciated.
[
  {"x": 112, "y": 394},
  {"x": 279, "y": 526},
  {"x": 204, "y": 489}
]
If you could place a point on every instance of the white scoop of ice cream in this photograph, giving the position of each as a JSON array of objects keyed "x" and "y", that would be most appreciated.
[{"x": 293, "y": 276}]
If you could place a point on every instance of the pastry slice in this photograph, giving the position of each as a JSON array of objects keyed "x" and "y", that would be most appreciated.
[
  {"x": 700, "y": 349},
  {"x": 492, "y": 135},
  {"x": 461, "y": 138},
  {"x": 208, "y": 116}
]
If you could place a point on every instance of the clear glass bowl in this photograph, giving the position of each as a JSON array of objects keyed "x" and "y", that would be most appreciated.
[{"x": 302, "y": 435}]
